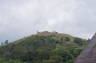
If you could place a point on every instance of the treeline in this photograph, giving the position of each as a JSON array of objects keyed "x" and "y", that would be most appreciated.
[{"x": 42, "y": 49}]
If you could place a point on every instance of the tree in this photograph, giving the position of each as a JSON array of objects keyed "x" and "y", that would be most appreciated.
[
  {"x": 67, "y": 39},
  {"x": 78, "y": 41},
  {"x": 6, "y": 42}
]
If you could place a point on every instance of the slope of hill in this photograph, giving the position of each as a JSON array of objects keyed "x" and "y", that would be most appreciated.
[
  {"x": 88, "y": 55},
  {"x": 43, "y": 47}
]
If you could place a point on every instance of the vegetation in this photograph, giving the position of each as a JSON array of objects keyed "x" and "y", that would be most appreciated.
[{"x": 50, "y": 48}]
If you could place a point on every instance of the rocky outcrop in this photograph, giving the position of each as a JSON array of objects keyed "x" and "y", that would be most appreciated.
[{"x": 88, "y": 55}]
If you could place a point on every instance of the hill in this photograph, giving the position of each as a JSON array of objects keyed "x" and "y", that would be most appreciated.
[{"x": 43, "y": 47}]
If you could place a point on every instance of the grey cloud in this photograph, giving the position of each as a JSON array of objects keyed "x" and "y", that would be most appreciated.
[
  {"x": 86, "y": 17},
  {"x": 19, "y": 18}
]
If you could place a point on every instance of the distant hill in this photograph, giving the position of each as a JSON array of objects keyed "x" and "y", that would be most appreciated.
[{"x": 43, "y": 47}]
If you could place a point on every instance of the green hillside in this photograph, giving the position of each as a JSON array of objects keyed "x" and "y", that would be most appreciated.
[{"x": 43, "y": 47}]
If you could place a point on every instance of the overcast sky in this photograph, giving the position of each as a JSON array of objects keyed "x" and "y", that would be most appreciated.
[{"x": 19, "y": 18}]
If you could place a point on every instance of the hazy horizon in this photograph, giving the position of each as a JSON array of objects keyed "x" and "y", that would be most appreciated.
[{"x": 19, "y": 18}]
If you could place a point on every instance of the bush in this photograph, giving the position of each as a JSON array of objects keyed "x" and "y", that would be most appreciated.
[{"x": 78, "y": 41}]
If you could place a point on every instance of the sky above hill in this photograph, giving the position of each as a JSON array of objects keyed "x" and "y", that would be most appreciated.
[{"x": 19, "y": 18}]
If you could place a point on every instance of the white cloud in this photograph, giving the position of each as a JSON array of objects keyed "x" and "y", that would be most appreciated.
[{"x": 19, "y": 18}]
